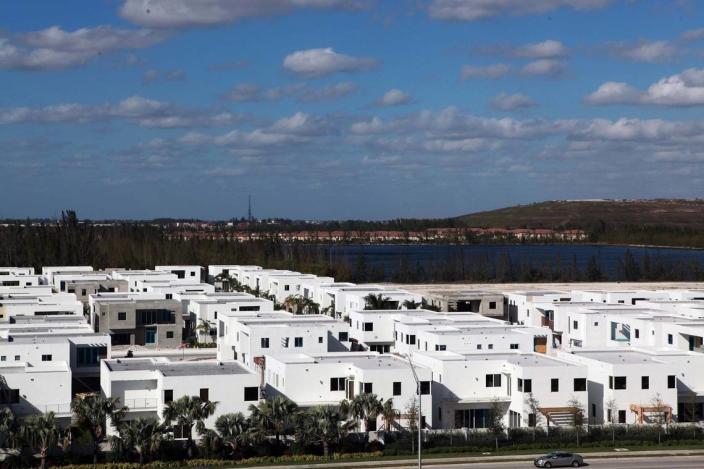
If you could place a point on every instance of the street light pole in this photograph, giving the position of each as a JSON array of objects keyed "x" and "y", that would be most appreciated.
[{"x": 420, "y": 409}]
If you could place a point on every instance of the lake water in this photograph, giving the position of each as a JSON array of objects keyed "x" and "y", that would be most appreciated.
[{"x": 432, "y": 258}]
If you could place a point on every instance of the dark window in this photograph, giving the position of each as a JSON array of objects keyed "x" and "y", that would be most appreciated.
[
  {"x": 637, "y": 331},
  {"x": 493, "y": 381},
  {"x": 527, "y": 385},
  {"x": 168, "y": 395},
  {"x": 611, "y": 382},
  {"x": 122, "y": 316},
  {"x": 669, "y": 339},
  {"x": 249, "y": 308},
  {"x": 286, "y": 288},
  {"x": 619, "y": 382},
  {"x": 9, "y": 396},
  {"x": 368, "y": 388},
  {"x": 169, "y": 296},
  {"x": 337, "y": 384},
  {"x": 479, "y": 346},
  {"x": 204, "y": 394},
  {"x": 531, "y": 420},
  {"x": 425, "y": 387},
  {"x": 251, "y": 393},
  {"x": 492, "y": 305},
  {"x": 575, "y": 325},
  {"x": 265, "y": 342},
  {"x": 580, "y": 384},
  {"x": 397, "y": 388},
  {"x": 46, "y": 357},
  {"x": 193, "y": 274},
  {"x": 368, "y": 326},
  {"x": 555, "y": 385},
  {"x": 342, "y": 336},
  {"x": 621, "y": 416},
  {"x": 169, "y": 334},
  {"x": 90, "y": 356},
  {"x": 513, "y": 346},
  {"x": 146, "y": 317},
  {"x": 671, "y": 382},
  {"x": 440, "y": 348},
  {"x": 320, "y": 340},
  {"x": 519, "y": 385},
  {"x": 298, "y": 342},
  {"x": 645, "y": 382},
  {"x": 83, "y": 292},
  {"x": 410, "y": 339}
]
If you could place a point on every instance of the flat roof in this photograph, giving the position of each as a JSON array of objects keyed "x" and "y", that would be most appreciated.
[
  {"x": 169, "y": 368},
  {"x": 365, "y": 361},
  {"x": 618, "y": 357}
]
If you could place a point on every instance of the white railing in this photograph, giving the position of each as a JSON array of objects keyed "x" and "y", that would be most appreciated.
[{"x": 145, "y": 403}]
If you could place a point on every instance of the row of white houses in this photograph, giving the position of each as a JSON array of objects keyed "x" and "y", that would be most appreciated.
[{"x": 537, "y": 356}]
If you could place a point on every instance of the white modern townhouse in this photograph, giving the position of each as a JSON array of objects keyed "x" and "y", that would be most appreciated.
[
  {"x": 520, "y": 305},
  {"x": 468, "y": 387},
  {"x": 16, "y": 271},
  {"x": 310, "y": 379},
  {"x": 194, "y": 273},
  {"x": 146, "y": 385},
  {"x": 208, "y": 308},
  {"x": 233, "y": 271},
  {"x": 42, "y": 304},
  {"x": 350, "y": 299},
  {"x": 247, "y": 336}
]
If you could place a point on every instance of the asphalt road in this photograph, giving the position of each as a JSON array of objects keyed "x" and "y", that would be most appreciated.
[{"x": 663, "y": 462}]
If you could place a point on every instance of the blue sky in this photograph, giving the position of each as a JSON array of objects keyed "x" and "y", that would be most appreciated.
[{"x": 326, "y": 109}]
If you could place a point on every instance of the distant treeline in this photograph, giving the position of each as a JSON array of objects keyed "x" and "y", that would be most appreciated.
[{"x": 137, "y": 246}]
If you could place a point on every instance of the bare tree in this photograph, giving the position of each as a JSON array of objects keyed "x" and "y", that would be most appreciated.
[
  {"x": 496, "y": 420},
  {"x": 611, "y": 410},
  {"x": 534, "y": 407},
  {"x": 578, "y": 412},
  {"x": 661, "y": 413},
  {"x": 412, "y": 417}
]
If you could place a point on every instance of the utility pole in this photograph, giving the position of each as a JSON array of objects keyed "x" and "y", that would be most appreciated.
[
  {"x": 249, "y": 208},
  {"x": 420, "y": 412}
]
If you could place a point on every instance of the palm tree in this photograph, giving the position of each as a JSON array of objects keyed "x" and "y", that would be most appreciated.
[
  {"x": 273, "y": 415},
  {"x": 325, "y": 425},
  {"x": 186, "y": 412},
  {"x": 373, "y": 302},
  {"x": 8, "y": 427},
  {"x": 91, "y": 412},
  {"x": 232, "y": 431},
  {"x": 204, "y": 327},
  {"x": 143, "y": 436},
  {"x": 41, "y": 433},
  {"x": 366, "y": 407},
  {"x": 411, "y": 304},
  {"x": 389, "y": 414}
]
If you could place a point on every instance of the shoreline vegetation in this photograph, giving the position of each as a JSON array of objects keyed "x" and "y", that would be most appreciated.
[{"x": 134, "y": 245}]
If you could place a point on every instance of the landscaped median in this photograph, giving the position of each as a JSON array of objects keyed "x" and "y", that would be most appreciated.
[{"x": 376, "y": 459}]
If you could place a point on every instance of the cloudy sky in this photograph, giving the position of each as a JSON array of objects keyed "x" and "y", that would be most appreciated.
[{"x": 346, "y": 108}]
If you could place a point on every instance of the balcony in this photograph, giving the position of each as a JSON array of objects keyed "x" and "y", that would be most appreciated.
[{"x": 141, "y": 400}]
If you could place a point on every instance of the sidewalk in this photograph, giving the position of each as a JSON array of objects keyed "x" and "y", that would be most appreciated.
[{"x": 430, "y": 461}]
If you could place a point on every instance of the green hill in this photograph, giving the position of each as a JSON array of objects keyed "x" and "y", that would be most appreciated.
[{"x": 588, "y": 213}]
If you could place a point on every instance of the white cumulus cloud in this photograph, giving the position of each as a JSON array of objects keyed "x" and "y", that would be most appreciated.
[
  {"x": 325, "y": 61},
  {"x": 680, "y": 90}
]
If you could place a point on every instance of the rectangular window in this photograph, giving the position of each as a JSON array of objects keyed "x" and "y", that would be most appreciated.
[
  {"x": 611, "y": 382},
  {"x": 337, "y": 384},
  {"x": 122, "y": 316},
  {"x": 513, "y": 346},
  {"x": 251, "y": 393},
  {"x": 620, "y": 382},
  {"x": 425, "y": 387},
  {"x": 368, "y": 388},
  {"x": 621, "y": 416},
  {"x": 528, "y": 385},
  {"x": 440, "y": 348},
  {"x": 671, "y": 382},
  {"x": 479, "y": 346},
  {"x": 580, "y": 384},
  {"x": 265, "y": 342},
  {"x": 9, "y": 396},
  {"x": 46, "y": 357},
  {"x": 169, "y": 334},
  {"x": 531, "y": 420},
  {"x": 555, "y": 385},
  {"x": 410, "y": 339},
  {"x": 168, "y": 395},
  {"x": 575, "y": 325},
  {"x": 397, "y": 388},
  {"x": 368, "y": 326},
  {"x": 83, "y": 292},
  {"x": 320, "y": 340},
  {"x": 491, "y": 346},
  {"x": 204, "y": 394},
  {"x": 492, "y": 305},
  {"x": 645, "y": 382},
  {"x": 342, "y": 336},
  {"x": 287, "y": 287},
  {"x": 298, "y": 342},
  {"x": 493, "y": 381},
  {"x": 17, "y": 358},
  {"x": 519, "y": 385},
  {"x": 637, "y": 333},
  {"x": 669, "y": 339}
]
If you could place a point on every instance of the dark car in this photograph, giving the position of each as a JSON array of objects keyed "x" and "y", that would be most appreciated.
[{"x": 559, "y": 459}]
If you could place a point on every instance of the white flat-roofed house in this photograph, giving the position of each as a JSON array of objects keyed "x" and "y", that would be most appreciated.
[
  {"x": 353, "y": 298},
  {"x": 135, "y": 277},
  {"x": 464, "y": 338},
  {"x": 16, "y": 271},
  {"x": 11, "y": 279},
  {"x": 211, "y": 307},
  {"x": 245, "y": 336},
  {"x": 146, "y": 385},
  {"x": 183, "y": 272},
  {"x": 521, "y": 309},
  {"x": 486, "y": 303},
  {"x": 467, "y": 386},
  {"x": 39, "y": 305},
  {"x": 689, "y": 381},
  {"x": 327, "y": 293},
  {"x": 48, "y": 272},
  {"x": 327, "y": 379},
  {"x": 310, "y": 287},
  {"x": 634, "y": 380},
  {"x": 24, "y": 388}
]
